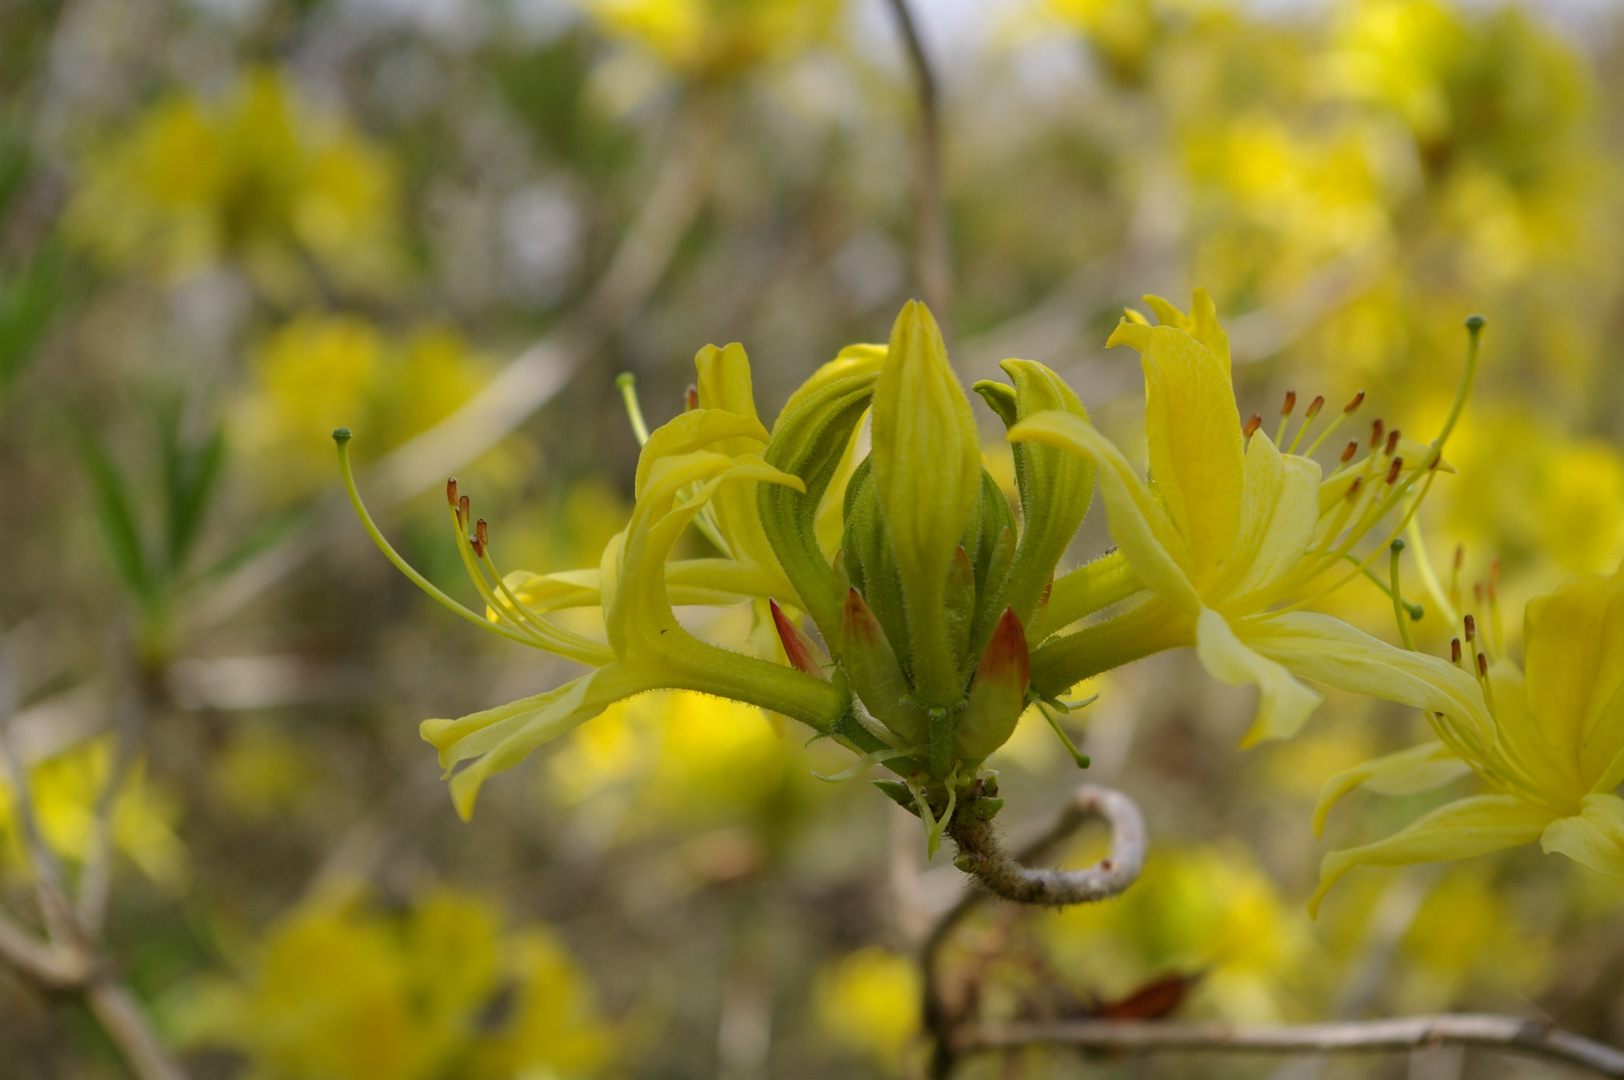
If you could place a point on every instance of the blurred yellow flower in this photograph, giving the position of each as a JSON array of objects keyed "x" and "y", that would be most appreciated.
[
  {"x": 66, "y": 788},
  {"x": 715, "y": 39},
  {"x": 319, "y": 370},
  {"x": 1550, "y": 745},
  {"x": 1468, "y": 938},
  {"x": 256, "y": 177},
  {"x": 868, "y": 1003},
  {"x": 340, "y": 990}
]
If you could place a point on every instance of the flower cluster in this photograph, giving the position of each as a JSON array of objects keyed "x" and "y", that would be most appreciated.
[{"x": 919, "y": 613}]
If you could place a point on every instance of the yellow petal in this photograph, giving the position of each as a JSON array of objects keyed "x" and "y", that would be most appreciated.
[
  {"x": 1574, "y": 644},
  {"x": 724, "y": 381},
  {"x": 1457, "y": 830},
  {"x": 1420, "y": 768},
  {"x": 1284, "y": 704},
  {"x": 1139, "y": 525},
  {"x": 1330, "y": 651},
  {"x": 696, "y": 429},
  {"x": 724, "y": 385},
  {"x": 1595, "y": 838},
  {"x": 1193, "y": 434},
  {"x": 1279, "y": 513}
]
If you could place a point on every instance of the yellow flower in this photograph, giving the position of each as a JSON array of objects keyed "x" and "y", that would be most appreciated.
[
  {"x": 711, "y": 39},
  {"x": 1235, "y": 536},
  {"x": 1547, "y": 739},
  {"x": 869, "y": 1002}
]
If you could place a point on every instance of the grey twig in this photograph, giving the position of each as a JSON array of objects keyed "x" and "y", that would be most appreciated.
[
  {"x": 934, "y": 265},
  {"x": 982, "y": 855},
  {"x": 1508, "y": 1034}
]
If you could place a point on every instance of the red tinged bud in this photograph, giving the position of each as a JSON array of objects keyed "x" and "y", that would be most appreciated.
[
  {"x": 875, "y": 675},
  {"x": 800, "y": 649},
  {"x": 997, "y": 694}
]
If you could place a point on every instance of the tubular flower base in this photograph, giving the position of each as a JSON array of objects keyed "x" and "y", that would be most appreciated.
[
  {"x": 1548, "y": 741},
  {"x": 936, "y": 605}
]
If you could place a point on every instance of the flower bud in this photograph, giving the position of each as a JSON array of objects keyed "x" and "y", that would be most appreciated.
[
  {"x": 927, "y": 471},
  {"x": 998, "y": 694},
  {"x": 876, "y": 675}
]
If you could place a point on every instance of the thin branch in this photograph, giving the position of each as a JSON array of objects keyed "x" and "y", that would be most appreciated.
[
  {"x": 933, "y": 263},
  {"x": 50, "y": 967},
  {"x": 122, "y": 1019},
  {"x": 1011, "y": 878},
  {"x": 530, "y": 380},
  {"x": 1508, "y": 1034}
]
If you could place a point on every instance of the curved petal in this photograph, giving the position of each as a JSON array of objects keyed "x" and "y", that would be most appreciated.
[
  {"x": 1330, "y": 651},
  {"x": 1595, "y": 838},
  {"x": 1457, "y": 830},
  {"x": 1279, "y": 513},
  {"x": 1284, "y": 704},
  {"x": 1139, "y": 525},
  {"x": 1574, "y": 643},
  {"x": 1420, "y": 768}
]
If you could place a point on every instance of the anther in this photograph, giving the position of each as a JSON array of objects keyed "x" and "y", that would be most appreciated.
[
  {"x": 1353, "y": 488},
  {"x": 482, "y": 534},
  {"x": 1314, "y": 407},
  {"x": 1454, "y": 651},
  {"x": 1392, "y": 442},
  {"x": 690, "y": 397},
  {"x": 1291, "y": 403},
  {"x": 451, "y": 491},
  {"x": 1353, "y": 448},
  {"x": 1482, "y": 666},
  {"x": 1394, "y": 469},
  {"x": 1252, "y": 425},
  {"x": 462, "y": 511},
  {"x": 1460, "y": 556},
  {"x": 1358, "y": 400},
  {"x": 1471, "y": 628},
  {"x": 1376, "y": 433}
]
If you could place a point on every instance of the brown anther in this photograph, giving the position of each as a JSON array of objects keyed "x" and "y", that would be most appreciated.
[
  {"x": 1471, "y": 628},
  {"x": 1376, "y": 430},
  {"x": 1358, "y": 400},
  {"x": 462, "y": 511},
  {"x": 1482, "y": 666},
  {"x": 1291, "y": 403},
  {"x": 482, "y": 532},
  {"x": 1353, "y": 488},
  {"x": 690, "y": 397},
  {"x": 1252, "y": 425},
  {"x": 451, "y": 491},
  {"x": 1477, "y": 592},
  {"x": 1454, "y": 651},
  {"x": 1347, "y": 455},
  {"x": 1394, "y": 469},
  {"x": 1314, "y": 407},
  {"x": 1392, "y": 442},
  {"x": 1460, "y": 556}
]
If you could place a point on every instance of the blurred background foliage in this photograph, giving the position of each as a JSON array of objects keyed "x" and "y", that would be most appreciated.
[{"x": 228, "y": 226}]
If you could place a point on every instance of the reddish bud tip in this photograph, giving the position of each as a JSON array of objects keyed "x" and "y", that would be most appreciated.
[
  {"x": 1358, "y": 400},
  {"x": 797, "y": 646},
  {"x": 1290, "y": 403},
  {"x": 1394, "y": 469},
  {"x": 1392, "y": 441},
  {"x": 1471, "y": 628},
  {"x": 1454, "y": 651},
  {"x": 1252, "y": 425},
  {"x": 451, "y": 491},
  {"x": 690, "y": 398},
  {"x": 1006, "y": 657},
  {"x": 1314, "y": 407},
  {"x": 1347, "y": 454},
  {"x": 1376, "y": 430}
]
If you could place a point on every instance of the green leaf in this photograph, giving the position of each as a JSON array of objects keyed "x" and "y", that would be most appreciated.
[{"x": 116, "y": 512}]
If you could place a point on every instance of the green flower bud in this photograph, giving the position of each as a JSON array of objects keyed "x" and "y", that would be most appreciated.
[
  {"x": 927, "y": 472},
  {"x": 998, "y": 694},
  {"x": 876, "y": 675}
]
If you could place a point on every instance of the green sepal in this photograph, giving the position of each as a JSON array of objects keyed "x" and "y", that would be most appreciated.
[
  {"x": 875, "y": 674},
  {"x": 960, "y": 604},
  {"x": 871, "y": 564},
  {"x": 997, "y": 694},
  {"x": 808, "y": 441},
  {"x": 986, "y": 809},
  {"x": 1000, "y": 398},
  {"x": 899, "y": 793}
]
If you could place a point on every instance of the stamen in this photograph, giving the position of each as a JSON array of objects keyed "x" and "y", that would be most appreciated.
[
  {"x": 1454, "y": 651},
  {"x": 1308, "y": 418},
  {"x": 1314, "y": 407},
  {"x": 1347, "y": 455},
  {"x": 1400, "y": 608},
  {"x": 1252, "y": 425},
  {"x": 1471, "y": 628},
  {"x": 1376, "y": 433},
  {"x": 463, "y": 511},
  {"x": 690, "y": 397},
  {"x": 1347, "y": 411},
  {"x": 480, "y": 538},
  {"x": 1392, "y": 442},
  {"x": 1358, "y": 400},
  {"x": 627, "y": 382},
  {"x": 1482, "y": 666},
  {"x": 451, "y": 491},
  {"x": 1454, "y": 577},
  {"x": 1353, "y": 488},
  {"x": 1394, "y": 469},
  {"x": 1285, "y": 416}
]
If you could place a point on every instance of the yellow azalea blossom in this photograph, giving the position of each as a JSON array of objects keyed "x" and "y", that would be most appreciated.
[
  {"x": 712, "y": 39},
  {"x": 1236, "y": 536},
  {"x": 341, "y": 990},
  {"x": 868, "y": 1002},
  {"x": 1547, "y": 739}
]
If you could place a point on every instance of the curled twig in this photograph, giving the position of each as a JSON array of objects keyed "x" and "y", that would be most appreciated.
[
  {"x": 1509, "y": 1034},
  {"x": 982, "y": 855}
]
